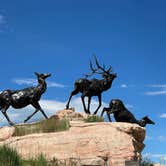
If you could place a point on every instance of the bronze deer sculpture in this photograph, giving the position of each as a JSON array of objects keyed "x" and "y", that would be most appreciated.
[
  {"x": 93, "y": 87},
  {"x": 21, "y": 98}
]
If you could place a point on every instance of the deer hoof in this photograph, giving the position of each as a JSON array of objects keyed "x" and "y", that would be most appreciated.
[{"x": 11, "y": 123}]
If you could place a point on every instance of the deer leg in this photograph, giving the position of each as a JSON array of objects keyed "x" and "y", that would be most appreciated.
[
  {"x": 104, "y": 109},
  {"x": 89, "y": 101},
  {"x": 38, "y": 108},
  {"x": 29, "y": 117},
  {"x": 6, "y": 116},
  {"x": 109, "y": 117},
  {"x": 83, "y": 102},
  {"x": 99, "y": 97},
  {"x": 72, "y": 94}
]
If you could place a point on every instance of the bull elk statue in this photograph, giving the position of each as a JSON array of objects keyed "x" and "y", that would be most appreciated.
[
  {"x": 93, "y": 87},
  {"x": 21, "y": 98}
]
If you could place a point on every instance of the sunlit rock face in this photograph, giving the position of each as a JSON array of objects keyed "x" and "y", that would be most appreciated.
[{"x": 86, "y": 143}]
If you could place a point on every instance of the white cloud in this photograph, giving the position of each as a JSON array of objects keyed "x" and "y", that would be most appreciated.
[
  {"x": 157, "y": 85},
  {"x": 154, "y": 93},
  {"x": 129, "y": 106},
  {"x": 162, "y": 138},
  {"x": 160, "y": 90},
  {"x": 152, "y": 155},
  {"x": 2, "y": 19},
  {"x": 33, "y": 82},
  {"x": 163, "y": 115},
  {"x": 123, "y": 86},
  {"x": 148, "y": 137},
  {"x": 50, "y": 107}
]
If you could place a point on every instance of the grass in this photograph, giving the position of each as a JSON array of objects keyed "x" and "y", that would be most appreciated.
[
  {"x": 45, "y": 126},
  {"x": 10, "y": 157},
  {"x": 94, "y": 118}
]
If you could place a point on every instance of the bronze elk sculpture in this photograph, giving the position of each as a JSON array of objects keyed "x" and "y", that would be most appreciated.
[
  {"x": 93, "y": 87},
  {"x": 21, "y": 98},
  {"x": 121, "y": 114}
]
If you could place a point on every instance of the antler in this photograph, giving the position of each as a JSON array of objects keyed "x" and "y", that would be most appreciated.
[
  {"x": 94, "y": 70},
  {"x": 103, "y": 68}
]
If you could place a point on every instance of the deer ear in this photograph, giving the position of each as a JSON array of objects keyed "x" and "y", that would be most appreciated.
[{"x": 37, "y": 74}]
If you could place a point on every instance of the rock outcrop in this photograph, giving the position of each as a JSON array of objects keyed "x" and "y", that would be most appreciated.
[{"x": 86, "y": 143}]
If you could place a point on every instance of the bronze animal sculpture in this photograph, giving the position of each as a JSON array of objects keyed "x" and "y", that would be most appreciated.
[
  {"x": 121, "y": 114},
  {"x": 21, "y": 98},
  {"x": 93, "y": 87}
]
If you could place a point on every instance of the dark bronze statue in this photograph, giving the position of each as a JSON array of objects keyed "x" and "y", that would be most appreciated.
[
  {"x": 121, "y": 114},
  {"x": 21, "y": 98},
  {"x": 93, "y": 87}
]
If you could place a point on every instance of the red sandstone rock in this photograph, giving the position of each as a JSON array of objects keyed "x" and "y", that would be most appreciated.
[
  {"x": 88, "y": 143},
  {"x": 6, "y": 132}
]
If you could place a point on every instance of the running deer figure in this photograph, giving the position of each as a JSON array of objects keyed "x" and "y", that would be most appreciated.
[
  {"x": 93, "y": 87},
  {"x": 21, "y": 98}
]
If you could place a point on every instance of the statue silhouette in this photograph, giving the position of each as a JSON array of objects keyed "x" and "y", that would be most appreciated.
[
  {"x": 21, "y": 98},
  {"x": 93, "y": 87},
  {"x": 121, "y": 114}
]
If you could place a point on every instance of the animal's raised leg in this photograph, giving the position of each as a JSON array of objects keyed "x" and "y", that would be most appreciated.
[
  {"x": 89, "y": 101},
  {"x": 107, "y": 110},
  {"x": 99, "y": 97},
  {"x": 6, "y": 116},
  {"x": 29, "y": 117},
  {"x": 83, "y": 102},
  {"x": 38, "y": 108},
  {"x": 72, "y": 94}
]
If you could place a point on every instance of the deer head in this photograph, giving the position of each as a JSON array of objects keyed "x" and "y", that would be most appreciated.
[{"x": 42, "y": 76}]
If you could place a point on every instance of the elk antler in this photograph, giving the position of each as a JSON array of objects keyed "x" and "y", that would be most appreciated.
[
  {"x": 103, "y": 68},
  {"x": 93, "y": 70}
]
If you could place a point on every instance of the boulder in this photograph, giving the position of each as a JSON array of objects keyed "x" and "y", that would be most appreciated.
[
  {"x": 6, "y": 132},
  {"x": 87, "y": 143},
  {"x": 71, "y": 115}
]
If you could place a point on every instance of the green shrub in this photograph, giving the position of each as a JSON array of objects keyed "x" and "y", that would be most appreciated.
[
  {"x": 40, "y": 161},
  {"x": 94, "y": 118},
  {"x": 9, "y": 157},
  {"x": 44, "y": 126}
]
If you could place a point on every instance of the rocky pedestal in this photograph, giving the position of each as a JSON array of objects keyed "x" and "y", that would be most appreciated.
[{"x": 87, "y": 143}]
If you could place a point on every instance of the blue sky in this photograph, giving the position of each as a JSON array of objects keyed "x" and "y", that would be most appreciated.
[{"x": 61, "y": 36}]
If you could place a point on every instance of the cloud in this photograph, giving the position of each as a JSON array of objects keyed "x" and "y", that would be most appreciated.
[
  {"x": 2, "y": 19},
  {"x": 161, "y": 90},
  {"x": 148, "y": 137},
  {"x": 50, "y": 107},
  {"x": 163, "y": 115},
  {"x": 123, "y": 86},
  {"x": 129, "y": 106},
  {"x": 157, "y": 85},
  {"x": 33, "y": 82},
  {"x": 152, "y": 155},
  {"x": 162, "y": 138},
  {"x": 155, "y": 93}
]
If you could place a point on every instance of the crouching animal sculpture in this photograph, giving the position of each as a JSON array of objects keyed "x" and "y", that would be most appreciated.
[
  {"x": 121, "y": 114},
  {"x": 21, "y": 98}
]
